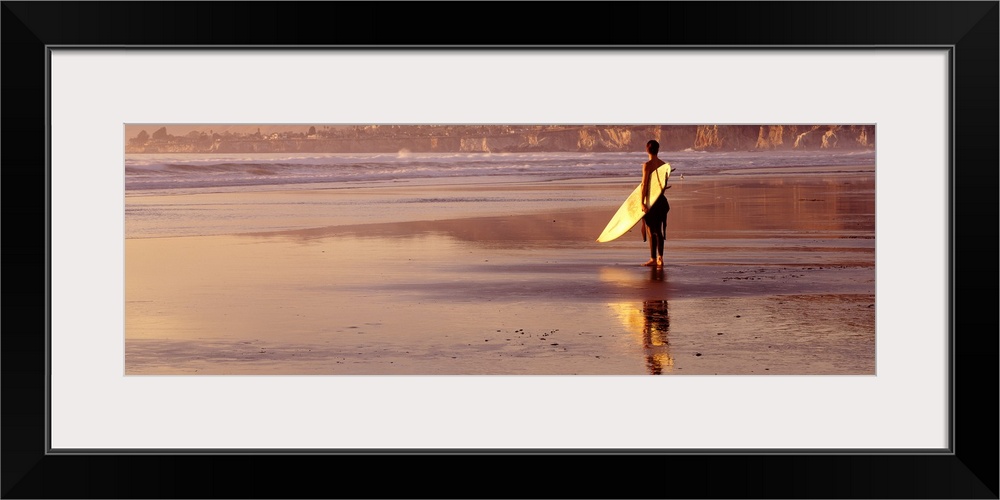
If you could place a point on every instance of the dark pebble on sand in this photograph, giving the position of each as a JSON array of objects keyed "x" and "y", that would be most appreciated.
[
  {"x": 720, "y": 333},
  {"x": 697, "y": 354},
  {"x": 553, "y": 344},
  {"x": 737, "y": 315}
]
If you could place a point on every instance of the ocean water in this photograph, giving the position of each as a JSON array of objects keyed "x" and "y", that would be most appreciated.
[
  {"x": 200, "y": 195},
  {"x": 195, "y": 171}
]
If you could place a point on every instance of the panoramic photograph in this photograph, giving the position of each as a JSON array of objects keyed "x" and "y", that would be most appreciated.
[{"x": 491, "y": 249}]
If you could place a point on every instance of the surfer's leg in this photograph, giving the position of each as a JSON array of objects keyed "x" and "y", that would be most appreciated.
[
  {"x": 663, "y": 227},
  {"x": 652, "y": 248},
  {"x": 663, "y": 230},
  {"x": 652, "y": 251},
  {"x": 655, "y": 245},
  {"x": 656, "y": 239},
  {"x": 657, "y": 248}
]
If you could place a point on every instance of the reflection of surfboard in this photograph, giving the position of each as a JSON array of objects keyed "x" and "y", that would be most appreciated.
[
  {"x": 630, "y": 315},
  {"x": 646, "y": 323},
  {"x": 630, "y": 213}
]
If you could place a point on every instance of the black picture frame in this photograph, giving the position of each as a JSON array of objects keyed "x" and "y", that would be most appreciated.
[{"x": 970, "y": 470}]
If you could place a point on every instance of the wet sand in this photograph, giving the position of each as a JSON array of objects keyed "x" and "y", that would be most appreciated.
[{"x": 766, "y": 273}]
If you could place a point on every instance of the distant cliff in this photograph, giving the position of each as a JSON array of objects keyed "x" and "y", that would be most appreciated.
[{"x": 554, "y": 139}]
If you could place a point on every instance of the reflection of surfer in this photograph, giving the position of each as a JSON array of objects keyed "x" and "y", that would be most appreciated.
[
  {"x": 655, "y": 218},
  {"x": 656, "y": 327}
]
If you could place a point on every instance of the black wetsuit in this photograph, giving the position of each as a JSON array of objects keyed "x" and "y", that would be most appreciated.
[
  {"x": 655, "y": 220},
  {"x": 656, "y": 217}
]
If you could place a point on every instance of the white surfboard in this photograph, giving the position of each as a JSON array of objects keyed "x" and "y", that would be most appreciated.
[{"x": 630, "y": 213}]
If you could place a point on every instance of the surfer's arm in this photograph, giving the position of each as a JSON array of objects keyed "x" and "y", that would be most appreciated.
[
  {"x": 669, "y": 173},
  {"x": 646, "y": 171}
]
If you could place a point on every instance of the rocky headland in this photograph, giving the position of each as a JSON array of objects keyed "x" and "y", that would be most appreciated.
[{"x": 527, "y": 138}]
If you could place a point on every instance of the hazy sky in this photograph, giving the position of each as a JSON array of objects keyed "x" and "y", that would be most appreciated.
[{"x": 182, "y": 129}]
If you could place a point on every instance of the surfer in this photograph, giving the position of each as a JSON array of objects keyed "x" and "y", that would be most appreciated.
[{"x": 655, "y": 219}]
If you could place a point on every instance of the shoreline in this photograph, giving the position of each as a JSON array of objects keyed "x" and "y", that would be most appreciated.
[
  {"x": 464, "y": 180},
  {"x": 550, "y": 194}
]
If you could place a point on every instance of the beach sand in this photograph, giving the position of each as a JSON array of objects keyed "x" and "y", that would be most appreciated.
[{"x": 769, "y": 272}]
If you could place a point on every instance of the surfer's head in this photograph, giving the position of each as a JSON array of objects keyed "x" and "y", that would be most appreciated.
[{"x": 652, "y": 147}]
